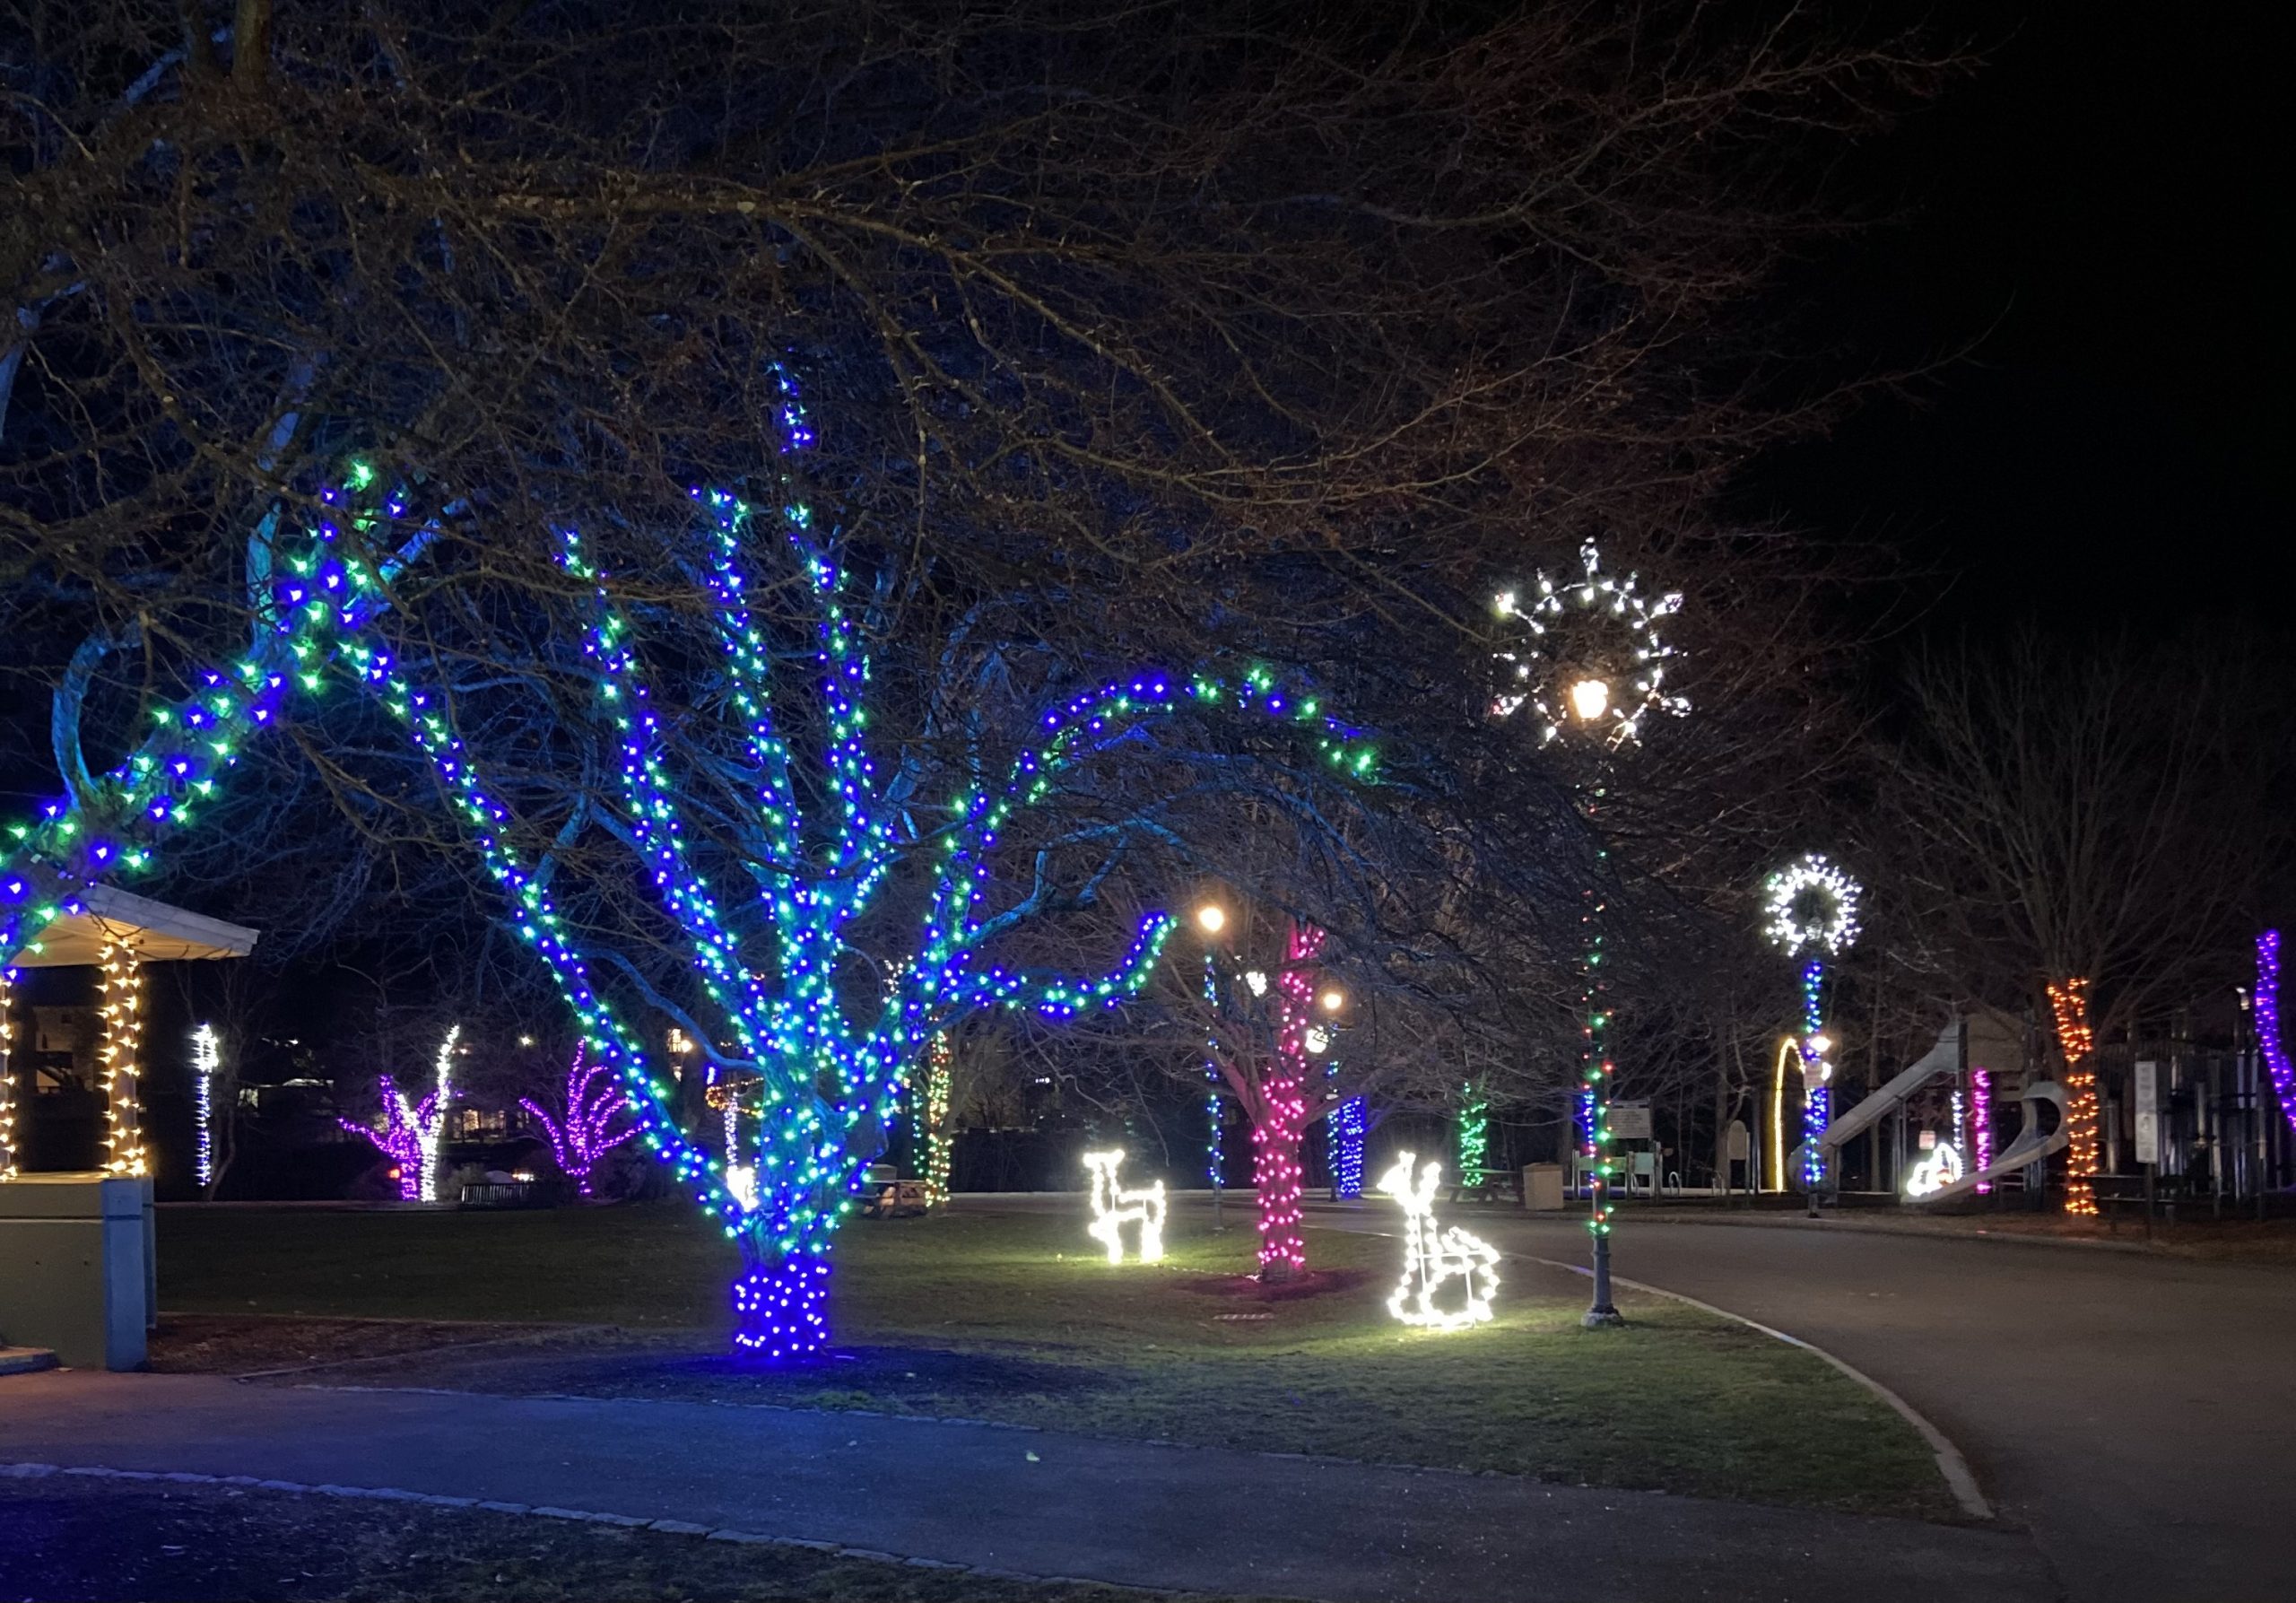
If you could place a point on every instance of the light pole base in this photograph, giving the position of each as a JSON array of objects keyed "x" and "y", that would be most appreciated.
[{"x": 1602, "y": 1319}]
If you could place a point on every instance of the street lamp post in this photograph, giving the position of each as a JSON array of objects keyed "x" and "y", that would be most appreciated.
[{"x": 1590, "y": 662}]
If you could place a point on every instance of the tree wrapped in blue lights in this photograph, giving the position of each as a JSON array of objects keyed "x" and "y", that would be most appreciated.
[{"x": 766, "y": 921}]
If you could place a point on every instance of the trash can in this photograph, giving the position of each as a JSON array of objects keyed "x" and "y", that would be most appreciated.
[
  {"x": 76, "y": 1268},
  {"x": 1543, "y": 1188}
]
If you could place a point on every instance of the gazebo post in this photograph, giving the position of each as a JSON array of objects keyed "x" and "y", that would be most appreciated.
[{"x": 123, "y": 1015}]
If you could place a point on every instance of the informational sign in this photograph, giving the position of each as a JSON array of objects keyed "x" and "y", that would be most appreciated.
[
  {"x": 1741, "y": 1143},
  {"x": 1928, "y": 1140},
  {"x": 1630, "y": 1121},
  {"x": 2148, "y": 1135},
  {"x": 2147, "y": 1098}
]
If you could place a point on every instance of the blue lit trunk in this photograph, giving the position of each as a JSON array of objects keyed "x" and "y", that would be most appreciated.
[{"x": 781, "y": 1301}]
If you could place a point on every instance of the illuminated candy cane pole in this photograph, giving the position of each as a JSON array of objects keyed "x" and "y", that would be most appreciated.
[{"x": 1813, "y": 915}]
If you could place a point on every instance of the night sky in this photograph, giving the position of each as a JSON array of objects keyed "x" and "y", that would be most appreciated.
[{"x": 2091, "y": 214}]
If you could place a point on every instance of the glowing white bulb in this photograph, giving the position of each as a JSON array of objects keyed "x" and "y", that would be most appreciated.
[
  {"x": 1822, "y": 1043},
  {"x": 1590, "y": 699},
  {"x": 1316, "y": 1038},
  {"x": 1333, "y": 1001},
  {"x": 1212, "y": 918},
  {"x": 1257, "y": 981},
  {"x": 741, "y": 1184},
  {"x": 1114, "y": 1207},
  {"x": 1433, "y": 1259}
]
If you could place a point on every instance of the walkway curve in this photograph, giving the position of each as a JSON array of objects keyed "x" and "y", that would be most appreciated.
[{"x": 1037, "y": 1503}]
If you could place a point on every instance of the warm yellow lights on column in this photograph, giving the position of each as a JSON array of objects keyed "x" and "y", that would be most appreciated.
[
  {"x": 123, "y": 1015},
  {"x": 7, "y": 1087}
]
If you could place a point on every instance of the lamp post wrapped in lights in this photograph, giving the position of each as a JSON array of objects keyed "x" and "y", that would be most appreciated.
[
  {"x": 1586, "y": 657},
  {"x": 1813, "y": 915}
]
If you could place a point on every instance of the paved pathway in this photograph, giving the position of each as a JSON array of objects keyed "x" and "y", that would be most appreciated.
[
  {"x": 1034, "y": 1501},
  {"x": 2137, "y": 1412}
]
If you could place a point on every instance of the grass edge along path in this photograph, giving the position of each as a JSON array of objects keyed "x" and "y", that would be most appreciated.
[
  {"x": 116, "y": 1535},
  {"x": 1016, "y": 1319}
]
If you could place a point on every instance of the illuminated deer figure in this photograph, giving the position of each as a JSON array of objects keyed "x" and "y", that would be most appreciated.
[
  {"x": 1431, "y": 1258},
  {"x": 1114, "y": 1207}
]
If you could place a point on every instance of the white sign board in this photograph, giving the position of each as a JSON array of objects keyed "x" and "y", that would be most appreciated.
[
  {"x": 1741, "y": 1143},
  {"x": 1630, "y": 1121},
  {"x": 1928, "y": 1140},
  {"x": 2145, "y": 1102}
]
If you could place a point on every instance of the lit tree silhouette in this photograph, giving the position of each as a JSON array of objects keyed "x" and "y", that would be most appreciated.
[
  {"x": 408, "y": 1133},
  {"x": 584, "y": 1132},
  {"x": 762, "y": 851}
]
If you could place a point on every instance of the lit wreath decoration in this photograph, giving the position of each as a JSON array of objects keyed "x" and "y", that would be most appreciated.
[
  {"x": 1597, "y": 624},
  {"x": 1812, "y": 906}
]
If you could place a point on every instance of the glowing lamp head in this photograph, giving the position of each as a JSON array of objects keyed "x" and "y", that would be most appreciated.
[
  {"x": 1589, "y": 700},
  {"x": 1333, "y": 999},
  {"x": 1212, "y": 917},
  {"x": 1822, "y": 1043}
]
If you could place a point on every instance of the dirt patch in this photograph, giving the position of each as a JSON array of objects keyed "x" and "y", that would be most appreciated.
[{"x": 1249, "y": 1288}]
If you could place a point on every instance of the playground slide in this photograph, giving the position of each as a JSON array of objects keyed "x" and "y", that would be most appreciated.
[
  {"x": 1943, "y": 1059},
  {"x": 2031, "y": 1146}
]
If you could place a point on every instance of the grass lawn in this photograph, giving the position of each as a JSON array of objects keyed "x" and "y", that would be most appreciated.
[
  {"x": 1014, "y": 1317},
  {"x": 70, "y": 1539}
]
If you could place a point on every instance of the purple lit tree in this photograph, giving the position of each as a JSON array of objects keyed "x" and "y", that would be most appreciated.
[
  {"x": 409, "y": 1132},
  {"x": 585, "y": 1131}
]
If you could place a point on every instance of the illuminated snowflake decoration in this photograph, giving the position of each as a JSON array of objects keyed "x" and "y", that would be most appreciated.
[
  {"x": 1812, "y": 906},
  {"x": 1589, "y": 657}
]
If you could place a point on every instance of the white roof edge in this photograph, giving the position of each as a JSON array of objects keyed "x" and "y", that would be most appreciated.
[{"x": 114, "y": 905}]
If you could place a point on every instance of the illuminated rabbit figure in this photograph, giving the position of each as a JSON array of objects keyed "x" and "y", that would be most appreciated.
[
  {"x": 1431, "y": 1258},
  {"x": 1114, "y": 1207}
]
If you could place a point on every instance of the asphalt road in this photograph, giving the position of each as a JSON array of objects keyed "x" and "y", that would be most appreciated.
[{"x": 2137, "y": 1414}]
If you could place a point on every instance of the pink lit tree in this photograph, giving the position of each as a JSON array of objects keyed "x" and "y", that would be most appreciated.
[
  {"x": 408, "y": 1133},
  {"x": 585, "y": 1131}
]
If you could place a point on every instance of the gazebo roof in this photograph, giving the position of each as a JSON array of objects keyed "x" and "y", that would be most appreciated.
[{"x": 154, "y": 931}]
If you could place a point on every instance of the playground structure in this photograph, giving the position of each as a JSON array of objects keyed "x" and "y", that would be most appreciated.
[{"x": 1981, "y": 1053}]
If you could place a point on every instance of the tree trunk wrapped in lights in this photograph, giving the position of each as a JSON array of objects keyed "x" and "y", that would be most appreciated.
[
  {"x": 2069, "y": 1002},
  {"x": 408, "y": 1133},
  {"x": 584, "y": 1129}
]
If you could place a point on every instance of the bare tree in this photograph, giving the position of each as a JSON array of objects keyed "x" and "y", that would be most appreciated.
[{"x": 2085, "y": 829}]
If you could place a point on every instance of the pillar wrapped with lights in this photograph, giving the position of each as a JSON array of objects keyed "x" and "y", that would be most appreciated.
[
  {"x": 206, "y": 1059},
  {"x": 1811, "y": 915},
  {"x": 1981, "y": 1124},
  {"x": 1348, "y": 1125},
  {"x": 122, "y": 1009},
  {"x": 1584, "y": 657},
  {"x": 2069, "y": 1003},
  {"x": 2267, "y": 1023},
  {"x": 940, "y": 1143},
  {"x": 811, "y": 856},
  {"x": 8, "y": 1162},
  {"x": 1474, "y": 1134}
]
